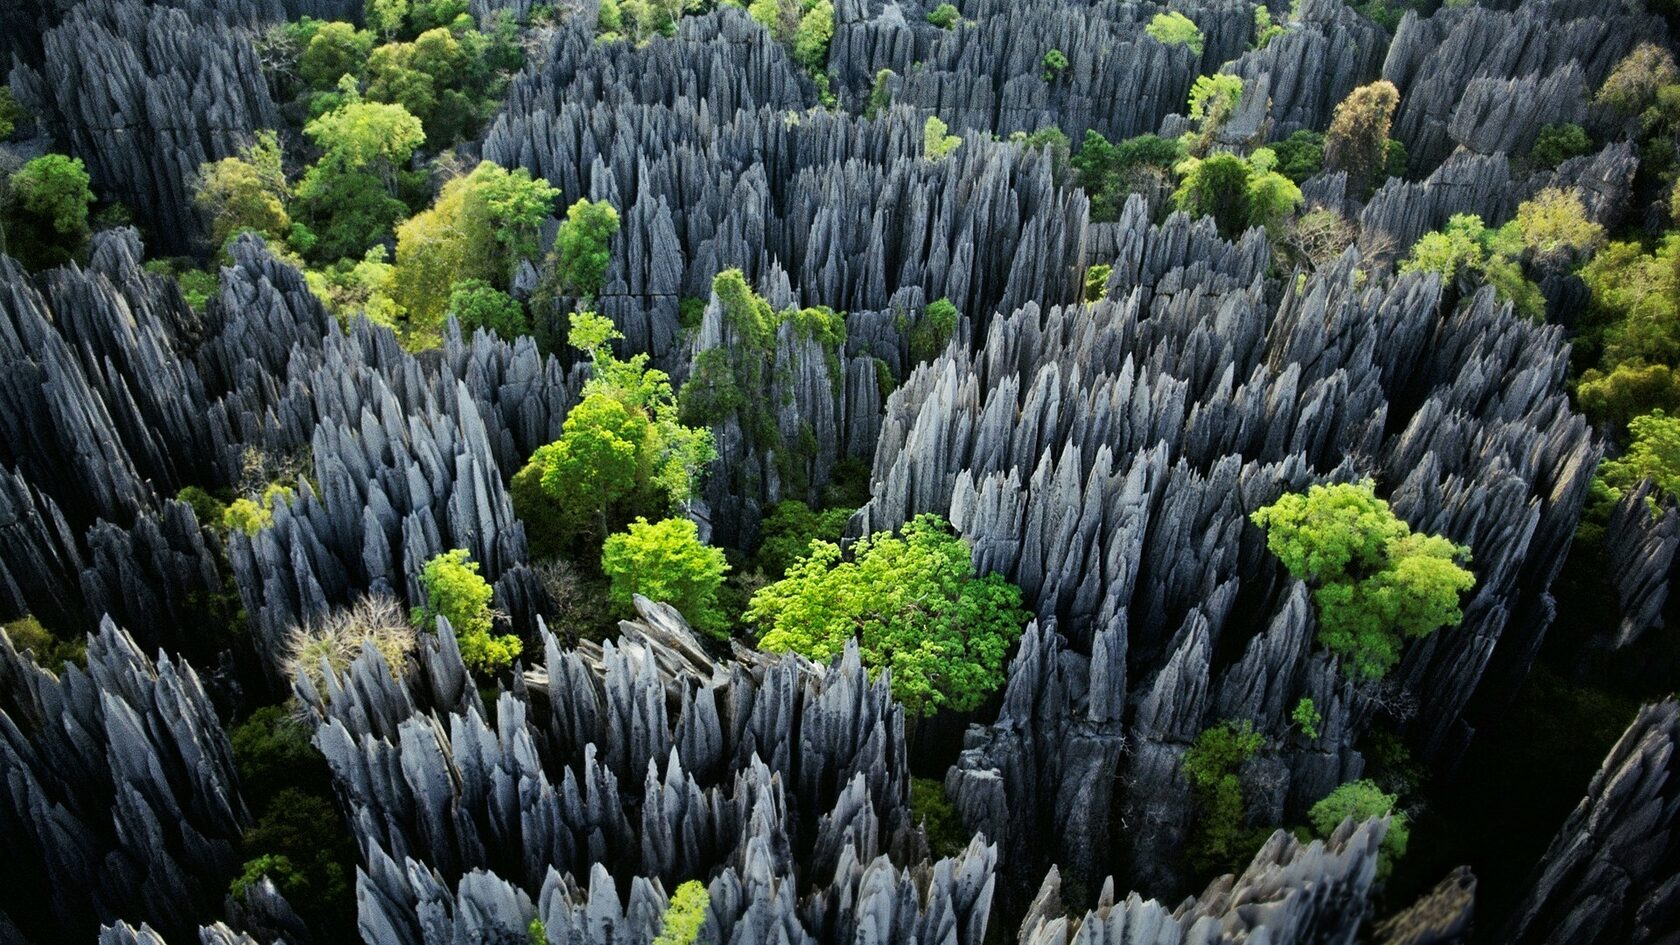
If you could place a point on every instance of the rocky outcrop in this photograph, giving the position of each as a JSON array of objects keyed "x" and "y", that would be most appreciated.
[
  {"x": 144, "y": 94},
  {"x": 1303, "y": 73},
  {"x": 1106, "y": 458},
  {"x": 121, "y": 798},
  {"x": 1292, "y": 892},
  {"x": 1483, "y": 76},
  {"x": 1612, "y": 873}
]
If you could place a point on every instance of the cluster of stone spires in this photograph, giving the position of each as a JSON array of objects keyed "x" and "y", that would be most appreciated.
[{"x": 1104, "y": 457}]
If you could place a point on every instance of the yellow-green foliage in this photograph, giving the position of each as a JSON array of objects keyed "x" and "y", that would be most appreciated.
[
  {"x": 1174, "y": 27},
  {"x": 253, "y": 515},
  {"x": 685, "y": 916},
  {"x": 665, "y": 561},
  {"x": 50, "y": 651},
  {"x": 912, "y": 602},
  {"x": 1376, "y": 583},
  {"x": 936, "y": 144},
  {"x": 455, "y": 591}
]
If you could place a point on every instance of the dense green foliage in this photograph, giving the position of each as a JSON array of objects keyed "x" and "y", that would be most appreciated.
[
  {"x": 1236, "y": 193},
  {"x": 1558, "y": 143},
  {"x": 456, "y": 592},
  {"x": 246, "y": 193},
  {"x": 1306, "y": 715},
  {"x": 1174, "y": 27},
  {"x": 685, "y": 915},
  {"x": 51, "y": 651},
  {"x": 1632, "y": 340},
  {"x": 478, "y": 304},
  {"x": 914, "y": 605},
  {"x": 787, "y": 532},
  {"x": 665, "y": 561},
  {"x": 251, "y": 515},
  {"x": 944, "y": 16},
  {"x": 623, "y": 452},
  {"x": 1653, "y": 452},
  {"x": 933, "y": 330},
  {"x": 1213, "y": 765},
  {"x": 1301, "y": 155},
  {"x": 1213, "y": 100},
  {"x": 482, "y": 227},
  {"x": 1055, "y": 63},
  {"x": 1110, "y": 172},
  {"x": 583, "y": 247},
  {"x": 297, "y": 839},
  {"x": 44, "y": 211},
  {"x": 1466, "y": 252},
  {"x": 936, "y": 143},
  {"x": 1363, "y": 800},
  {"x": 1376, "y": 583},
  {"x": 932, "y": 810},
  {"x": 12, "y": 114}
]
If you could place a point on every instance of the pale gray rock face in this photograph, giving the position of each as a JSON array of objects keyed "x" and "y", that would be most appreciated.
[
  {"x": 1107, "y": 457},
  {"x": 121, "y": 798},
  {"x": 1612, "y": 873},
  {"x": 1489, "y": 78},
  {"x": 144, "y": 94}
]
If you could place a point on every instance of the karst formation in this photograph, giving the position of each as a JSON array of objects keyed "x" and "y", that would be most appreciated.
[{"x": 840, "y": 472}]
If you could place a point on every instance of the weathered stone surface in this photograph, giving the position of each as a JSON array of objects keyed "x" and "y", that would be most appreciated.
[
  {"x": 1612, "y": 873},
  {"x": 120, "y": 800}
]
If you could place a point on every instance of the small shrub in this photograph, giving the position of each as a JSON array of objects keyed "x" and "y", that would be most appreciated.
[
  {"x": 1055, "y": 63},
  {"x": 665, "y": 561},
  {"x": 455, "y": 591},
  {"x": 1307, "y": 716},
  {"x": 936, "y": 144},
  {"x": 1174, "y": 27},
  {"x": 944, "y": 16},
  {"x": 1096, "y": 281},
  {"x": 685, "y": 916},
  {"x": 1213, "y": 764},
  {"x": 932, "y": 809},
  {"x": 1361, "y": 801}
]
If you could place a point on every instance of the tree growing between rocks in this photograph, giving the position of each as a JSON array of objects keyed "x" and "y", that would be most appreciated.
[
  {"x": 456, "y": 592},
  {"x": 1357, "y": 141},
  {"x": 666, "y": 561},
  {"x": 1376, "y": 583},
  {"x": 913, "y": 604}
]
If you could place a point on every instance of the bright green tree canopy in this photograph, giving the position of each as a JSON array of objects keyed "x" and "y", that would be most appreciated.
[
  {"x": 1375, "y": 582},
  {"x": 915, "y": 607},
  {"x": 665, "y": 561},
  {"x": 1361, "y": 801},
  {"x": 456, "y": 592}
]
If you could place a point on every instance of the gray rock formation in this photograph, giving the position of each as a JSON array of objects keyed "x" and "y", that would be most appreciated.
[
  {"x": 1106, "y": 458},
  {"x": 1612, "y": 873},
  {"x": 144, "y": 94},
  {"x": 120, "y": 800}
]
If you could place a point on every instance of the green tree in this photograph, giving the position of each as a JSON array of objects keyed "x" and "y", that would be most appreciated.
[
  {"x": 1306, "y": 715},
  {"x": 622, "y": 450},
  {"x": 333, "y": 51},
  {"x": 1362, "y": 801},
  {"x": 1216, "y": 187},
  {"x": 1553, "y": 225},
  {"x": 1272, "y": 197},
  {"x": 46, "y": 211},
  {"x": 812, "y": 36},
  {"x": 665, "y": 561},
  {"x": 1357, "y": 141},
  {"x": 1633, "y": 85},
  {"x": 456, "y": 592},
  {"x": 11, "y": 113},
  {"x": 386, "y": 16},
  {"x": 685, "y": 916},
  {"x": 1264, "y": 29},
  {"x": 1465, "y": 250},
  {"x": 1213, "y": 100},
  {"x": 1376, "y": 583},
  {"x": 246, "y": 193},
  {"x": 583, "y": 247},
  {"x": 1174, "y": 27},
  {"x": 366, "y": 136},
  {"x": 1301, "y": 155},
  {"x": 944, "y": 16},
  {"x": 482, "y": 226},
  {"x": 1654, "y": 452},
  {"x": 915, "y": 607},
  {"x": 1109, "y": 172},
  {"x": 787, "y": 533},
  {"x": 1213, "y": 764},
  {"x": 1557, "y": 143},
  {"x": 478, "y": 304},
  {"x": 1055, "y": 63},
  {"x": 933, "y": 330},
  {"x": 1096, "y": 281},
  {"x": 936, "y": 144}
]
